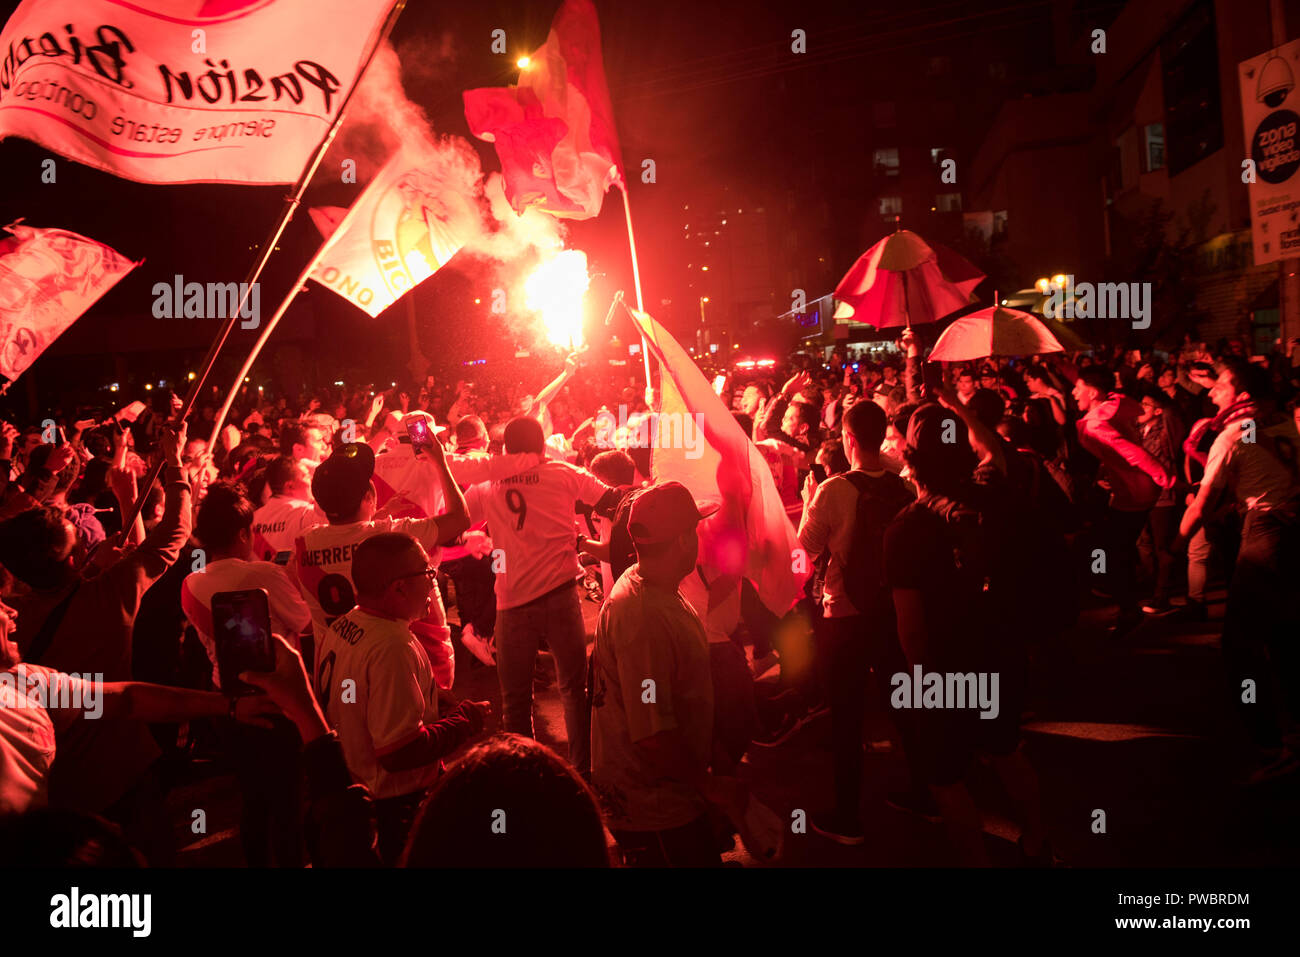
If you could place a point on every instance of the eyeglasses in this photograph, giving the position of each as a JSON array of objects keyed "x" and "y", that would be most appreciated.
[{"x": 428, "y": 573}]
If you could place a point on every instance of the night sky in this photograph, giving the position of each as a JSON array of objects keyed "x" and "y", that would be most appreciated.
[{"x": 712, "y": 93}]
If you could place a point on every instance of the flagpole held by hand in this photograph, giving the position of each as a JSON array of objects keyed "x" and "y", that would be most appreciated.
[
  {"x": 636, "y": 280},
  {"x": 292, "y": 202}
]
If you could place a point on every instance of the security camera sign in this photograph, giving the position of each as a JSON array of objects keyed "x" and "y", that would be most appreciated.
[{"x": 1270, "y": 108}]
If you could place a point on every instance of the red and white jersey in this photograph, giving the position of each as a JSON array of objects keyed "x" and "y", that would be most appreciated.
[
  {"x": 390, "y": 692},
  {"x": 531, "y": 518},
  {"x": 289, "y": 614},
  {"x": 281, "y": 520},
  {"x": 322, "y": 565}
]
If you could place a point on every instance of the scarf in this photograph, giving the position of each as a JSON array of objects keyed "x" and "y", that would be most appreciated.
[{"x": 1239, "y": 411}]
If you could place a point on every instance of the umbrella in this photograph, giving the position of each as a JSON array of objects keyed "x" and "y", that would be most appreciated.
[
  {"x": 995, "y": 331},
  {"x": 903, "y": 279}
]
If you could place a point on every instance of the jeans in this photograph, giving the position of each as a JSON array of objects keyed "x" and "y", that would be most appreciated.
[
  {"x": 1121, "y": 536},
  {"x": 1163, "y": 529},
  {"x": 735, "y": 713},
  {"x": 1260, "y": 623},
  {"x": 268, "y": 768},
  {"x": 476, "y": 600},
  {"x": 555, "y": 618}
]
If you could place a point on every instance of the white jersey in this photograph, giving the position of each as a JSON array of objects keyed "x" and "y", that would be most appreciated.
[
  {"x": 530, "y": 516},
  {"x": 391, "y": 694},
  {"x": 281, "y": 520},
  {"x": 322, "y": 565},
  {"x": 289, "y": 614},
  {"x": 408, "y": 485}
]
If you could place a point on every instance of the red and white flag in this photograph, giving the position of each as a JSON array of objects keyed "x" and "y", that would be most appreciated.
[
  {"x": 751, "y": 535},
  {"x": 411, "y": 219},
  {"x": 554, "y": 132},
  {"x": 48, "y": 277},
  {"x": 183, "y": 91}
]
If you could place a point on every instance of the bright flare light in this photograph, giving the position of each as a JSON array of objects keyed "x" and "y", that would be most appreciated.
[
  {"x": 556, "y": 289},
  {"x": 523, "y": 62}
]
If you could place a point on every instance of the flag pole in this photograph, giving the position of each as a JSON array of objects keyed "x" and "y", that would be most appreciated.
[
  {"x": 274, "y": 321},
  {"x": 636, "y": 281},
  {"x": 291, "y": 204}
]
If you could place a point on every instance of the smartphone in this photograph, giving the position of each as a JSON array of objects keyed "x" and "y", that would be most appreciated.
[
  {"x": 931, "y": 379},
  {"x": 818, "y": 473},
  {"x": 241, "y": 631},
  {"x": 418, "y": 429}
]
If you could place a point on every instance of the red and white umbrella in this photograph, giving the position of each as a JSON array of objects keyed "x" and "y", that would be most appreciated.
[
  {"x": 995, "y": 331},
  {"x": 903, "y": 280}
]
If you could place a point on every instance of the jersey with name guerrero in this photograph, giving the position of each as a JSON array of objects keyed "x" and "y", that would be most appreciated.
[
  {"x": 390, "y": 694},
  {"x": 530, "y": 517},
  {"x": 322, "y": 566}
]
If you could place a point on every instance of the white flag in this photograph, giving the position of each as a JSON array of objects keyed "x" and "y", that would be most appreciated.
[
  {"x": 183, "y": 91},
  {"x": 48, "y": 277},
  {"x": 752, "y": 536},
  {"x": 411, "y": 219}
]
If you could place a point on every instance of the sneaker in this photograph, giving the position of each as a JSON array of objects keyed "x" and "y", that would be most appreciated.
[
  {"x": 920, "y": 803},
  {"x": 1157, "y": 608},
  {"x": 480, "y": 648},
  {"x": 838, "y": 828}
]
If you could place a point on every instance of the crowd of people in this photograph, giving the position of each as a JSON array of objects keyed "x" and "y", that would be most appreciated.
[{"x": 954, "y": 520}]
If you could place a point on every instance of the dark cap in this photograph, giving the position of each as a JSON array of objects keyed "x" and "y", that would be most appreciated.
[
  {"x": 938, "y": 446},
  {"x": 664, "y": 511},
  {"x": 341, "y": 481}
]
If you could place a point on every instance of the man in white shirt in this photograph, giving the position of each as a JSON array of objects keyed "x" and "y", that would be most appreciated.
[
  {"x": 322, "y": 557},
  {"x": 267, "y": 765},
  {"x": 1253, "y": 462},
  {"x": 531, "y": 518},
  {"x": 378, "y": 687},
  {"x": 289, "y": 511}
]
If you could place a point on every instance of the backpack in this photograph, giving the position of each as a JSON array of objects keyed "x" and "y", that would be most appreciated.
[{"x": 879, "y": 500}]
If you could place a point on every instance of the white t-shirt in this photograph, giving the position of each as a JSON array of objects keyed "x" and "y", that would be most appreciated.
[
  {"x": 392, "y": 695},
  {"x": 322, "y": 565},
  {"x": 277, "y": 523},
  {"x": 289, "y": 613},
  {"x": 27, "y": 742},
  {"x": 1259, "y": 473},
  {"x": 531, "y": 518}
]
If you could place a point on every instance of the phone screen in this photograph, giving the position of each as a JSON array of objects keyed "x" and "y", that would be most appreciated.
[
  {"x": 932, "y": 378},
  {"x": 241, "y": 630},
  {"x": 418, "y": 430}
]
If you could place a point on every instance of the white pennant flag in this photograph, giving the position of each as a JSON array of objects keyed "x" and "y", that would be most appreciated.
[{"x": 411, "y": 219}]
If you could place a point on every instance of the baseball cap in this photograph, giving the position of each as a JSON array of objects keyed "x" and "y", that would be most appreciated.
[
  {"x": 341, "y": 481},
  {"x": 664, "y": 511},
  {"x": 938, "y": 443}
]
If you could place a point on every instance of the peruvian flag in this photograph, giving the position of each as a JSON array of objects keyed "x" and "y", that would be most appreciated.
[
  {"x": 751, "y": 535},
  {"x": 48, "y": 278},
  {"x": 554, "y": 132}
]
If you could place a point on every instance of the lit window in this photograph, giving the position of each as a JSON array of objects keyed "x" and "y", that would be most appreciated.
[
  {"x": 1153, "y": 147},
  {"x": 887, "y": 162},
  {"x": 948, "y": 202},
  {"x": 891, "y": 205}
]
